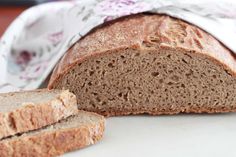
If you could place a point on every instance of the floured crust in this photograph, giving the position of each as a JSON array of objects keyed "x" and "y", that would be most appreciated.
[
  {"x": 32, "y": 116},
  {"x": 146, "y": 32},
  {"x": 142, "y": 31},
  {"x": 53, "y": 143}
]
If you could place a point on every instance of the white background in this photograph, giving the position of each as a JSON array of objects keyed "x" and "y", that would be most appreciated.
[{"x": 185, "y": 135}]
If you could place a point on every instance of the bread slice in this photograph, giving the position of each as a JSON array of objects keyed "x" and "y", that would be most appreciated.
[
  {"x": 29, "y": 110},
  {"x": 75, "y": 132},
  {"x": 151, "y": 64}
]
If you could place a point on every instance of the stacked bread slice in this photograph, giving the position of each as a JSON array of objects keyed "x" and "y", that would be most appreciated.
[{"x": 45, "y": 123}]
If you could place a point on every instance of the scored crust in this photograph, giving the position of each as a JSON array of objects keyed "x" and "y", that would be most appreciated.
[
  {"x": 152, "y": 30},
  {"x": 32, "y": 116},
  {"x": 143, "y": 34}
]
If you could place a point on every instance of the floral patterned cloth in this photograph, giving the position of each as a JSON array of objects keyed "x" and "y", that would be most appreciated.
[{"x": 39, "y": 37}]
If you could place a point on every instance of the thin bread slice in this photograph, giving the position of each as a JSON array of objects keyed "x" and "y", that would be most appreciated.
[
  {"x": 29, "y": 110},
  {"x": 78, "y": 131}
]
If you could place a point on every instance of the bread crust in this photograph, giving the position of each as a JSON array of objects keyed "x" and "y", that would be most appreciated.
[
  {"x": 137, "y": 30},
  {"x": 142, "y": 32},
  {"x": 53, "y": 143},
  {"x": 110, "y": 113},
  {"x": 31, "y": 116}
]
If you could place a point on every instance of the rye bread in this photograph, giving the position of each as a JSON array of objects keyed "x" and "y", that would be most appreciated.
[
  {"x": 29, "y": 110},
  {"x": 151, "y": 64},
  {"x": 75, "y": 132}
]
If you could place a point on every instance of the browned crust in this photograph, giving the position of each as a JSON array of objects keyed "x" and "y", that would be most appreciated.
[
  {"x": 143, "y": 32},
  {"x": 110, "y": 113},
  {"x": 33, "y": 116},
  {"x": 52, "y": 143},
  {"x": 137, "y": 30}
]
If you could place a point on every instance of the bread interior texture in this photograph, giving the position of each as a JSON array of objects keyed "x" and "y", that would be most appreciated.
[{"x": 153, "y": 81}]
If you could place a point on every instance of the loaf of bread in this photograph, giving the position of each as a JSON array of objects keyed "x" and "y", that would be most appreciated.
[
  {"x": 29, "y": 110},
  {"x": 75, "y": 132},
  {"x": 151, "y": 64}
]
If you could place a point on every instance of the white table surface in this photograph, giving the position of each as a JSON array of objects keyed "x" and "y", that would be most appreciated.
[{"x": 185, "y": 135}]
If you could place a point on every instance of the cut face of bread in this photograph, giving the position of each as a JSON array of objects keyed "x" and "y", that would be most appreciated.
[
  {"x": 75, "y": 132},
  {"x": 156, "y": 65},
  {"x": 29, "y": 110}
]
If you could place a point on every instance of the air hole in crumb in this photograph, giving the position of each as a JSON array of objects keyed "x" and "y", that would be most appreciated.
[
  {"x": 90, "y": 83},
  {"x": 228, "y": 72},
  {"x": 122, "y": 56},
  {"x": 120, "y": 94},
  {"x": 92, "y": 103},
  {"x": 97, "y": 62},
  {"x": 189, "y": 73},
  {"x": 155, "y": 40},
  {"x": 188, "y": 55},
  {"x": 91, "y": 73},
  {"x": 12, "y": 122},
  {"x": 98, "y": 99},
  {"x": 104, "y": 103},
  {"x": 155, "y": 74},
  {"x": 170, "y": 83},
  {"x": 95, "y": 93},
  {"x": 214, "y": 76},
  {"x": 227, "y": 95},
  {"x": 126, "y": 97},
  {"x": 73, "y": 71},
  {"x": 110, "y": 65},
  {"x": 183, "y": 60},
  {"x": 137, "y": 54},
  {"x": 146, "y": 44}
]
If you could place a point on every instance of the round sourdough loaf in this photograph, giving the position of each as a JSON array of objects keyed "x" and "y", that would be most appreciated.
[{"x": 151, "y": 64}]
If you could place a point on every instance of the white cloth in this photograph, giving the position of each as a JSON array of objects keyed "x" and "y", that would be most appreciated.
[{"x": 39, "y": 37}]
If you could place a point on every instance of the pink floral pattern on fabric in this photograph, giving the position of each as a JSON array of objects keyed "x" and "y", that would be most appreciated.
[
  {"x": 34, "y": 71},
  {"x": 118, "y": 8},
  {"x": 55, "y": 38},
  {"x": 24, "y": 58}
]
